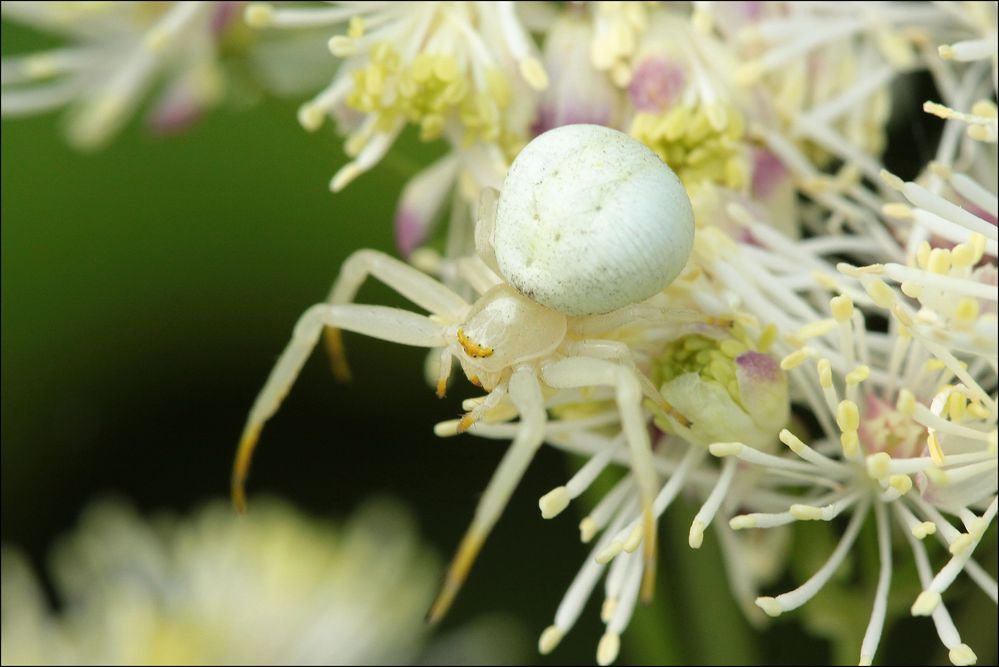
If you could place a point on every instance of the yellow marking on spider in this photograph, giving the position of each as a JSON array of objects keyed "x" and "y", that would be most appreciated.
[
  {"x": 241, "y": 467},
  {"x": 466, "y": 421},
  {"x": 338, "y": 358},
  {"x": 674, "y": 413},
  {"x": 472, "y": 348},
  {"x": 456, "y": 574}
]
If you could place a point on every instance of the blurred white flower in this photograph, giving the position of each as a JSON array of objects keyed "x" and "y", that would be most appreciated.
[
  {"x": 114, "y": 53},
  {"x": 272, "y": 587}
]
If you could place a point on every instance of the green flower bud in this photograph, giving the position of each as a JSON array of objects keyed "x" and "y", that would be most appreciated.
[{"x": 728, "y": 390}]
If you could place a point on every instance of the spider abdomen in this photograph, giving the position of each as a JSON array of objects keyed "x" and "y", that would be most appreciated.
[{"x": 590, "y": 220}]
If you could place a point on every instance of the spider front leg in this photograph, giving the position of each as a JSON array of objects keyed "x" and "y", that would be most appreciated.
[
  {"x": 391, "y": 324},
  {"x": 408, "y": 281},
  {"x": 588, "y": 371},
  {"x": 525, "y": 392}
]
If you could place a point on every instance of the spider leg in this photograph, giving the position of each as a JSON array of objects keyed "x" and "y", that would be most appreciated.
[
  {"x": 494, "y": 398},
  {"x": 587, "y": 371},
  {"x": 648, "y": 313},
  {"x": 614, "y": 350},
  {"x": 391, "y": 324},
  {"x": 408, "y": 281},
  {"x": 525, "y": 392},
  {"x": 485, "y": 223}
]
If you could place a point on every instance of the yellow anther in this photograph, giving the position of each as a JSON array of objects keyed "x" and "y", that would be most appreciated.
[
  {"x": 533, "y": 72},
  {"x": 723, "y": 449},
  {"x": 882, "y": 295},
  {"x": 498, "y": 87},
  {"x": 878, "y": 465},
  {"x": 816, "y": 329},
  {"x": 549, "y": 639},
  {"x": 960, "y": 544},
  {"x": 825, "y": 373},
  {"x": 985, "y": 109},
  {"x": 767, "y": 338},
  {"x": 792, "y": 441},
  {"x": 384, "y": 54},
  {"x": 796, "y": 358},
  {"x": 962, "y": 256},
  {"x": 355, "y": 29},
  {"x": 981, "y": 133},
  {"x": 258, "y": 14},
  {"x": 934, "y": 365},
  {"x": 841, "y": 307},
  {"x": 749, "y": 73},
  {"x": 901, "y": 483},
  {"x": 891, "y": 180},
  {"x": 938, "y": 110},
  {"x": 897, "y": 210},
  {"x": 923, "y": 254},
  {"x": 422, "y": 68},
  {"x": 977, "y": 243},
  {"x": 446, "y": 68},
  {"x": 939, "y": 261},
  {"x": 733, "y": 348},
  {"x": 702, "y": 144},
  {"x": 431, "y": 127},
  {"x": 966, "y": 311},
  {"x": 906, "y": 403},
  {"x": 858, "y": 375},
  {"x": 825, "y": 281},
  {"x": 911, "y": 289},
  {"x": 977, "y": 410},
  {"x": 374, "y": 81},
  {"x": 848, "y": 416}
]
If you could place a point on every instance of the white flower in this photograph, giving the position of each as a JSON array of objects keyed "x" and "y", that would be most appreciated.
[
  {"x": 114, "y": 53},
  {"x": 218, "y": 588},
  {"x": 465, "y": 71},
  {"x": 579, "y": 93}
]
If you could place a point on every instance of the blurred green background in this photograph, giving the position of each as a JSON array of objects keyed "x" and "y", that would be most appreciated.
[{"x": 147, "y": 290}]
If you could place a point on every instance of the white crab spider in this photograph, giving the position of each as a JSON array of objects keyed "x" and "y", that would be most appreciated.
[{"x": 590, "y": 223}]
